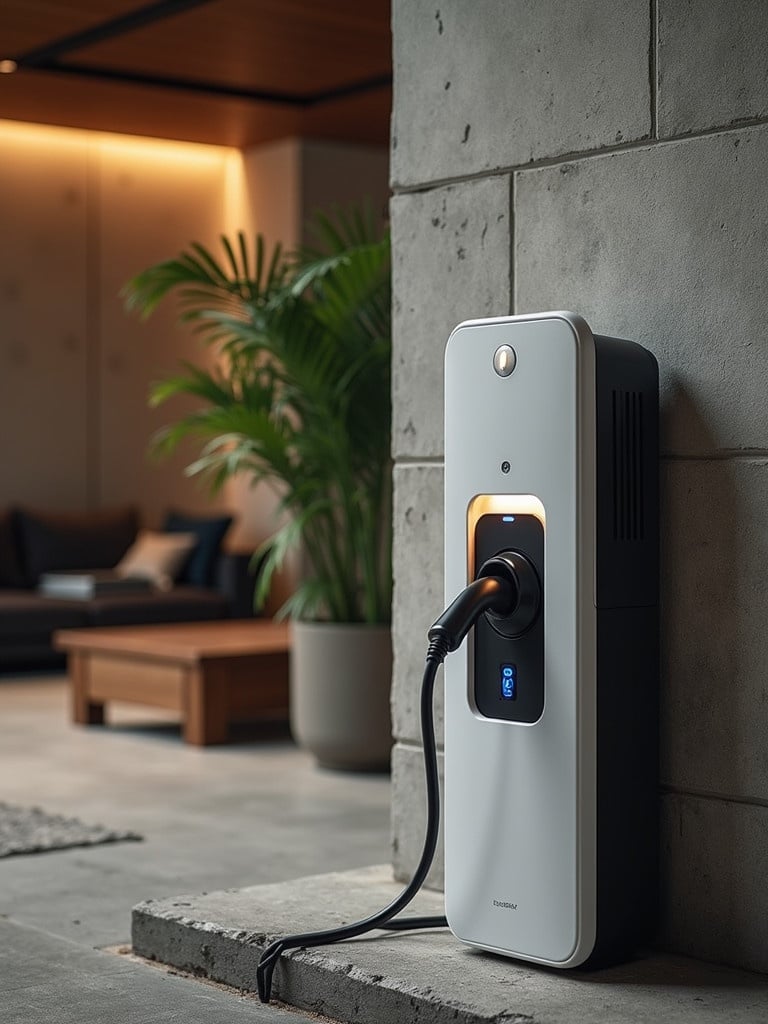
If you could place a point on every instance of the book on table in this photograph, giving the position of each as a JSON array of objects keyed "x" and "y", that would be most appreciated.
[{"x": 84, "y": 585}]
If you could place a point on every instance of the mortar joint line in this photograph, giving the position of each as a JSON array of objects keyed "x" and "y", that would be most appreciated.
[
  {"x": 707, "y": 455},
  {"x": 717, "y": 455},
  {"x": 668, "y": 788},
  {"x": 653, "y": 68},
  {"x": 414, "y": 746},
  {"x": 414, "y": 461},
  {"x": 644, "y": 143},
  {"x": 512, "y": 243}
]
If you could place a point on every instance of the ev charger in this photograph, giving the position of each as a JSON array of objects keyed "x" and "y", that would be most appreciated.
[
  {"x": 551, "y": 554},
  {"x": 551, "y": 458}
]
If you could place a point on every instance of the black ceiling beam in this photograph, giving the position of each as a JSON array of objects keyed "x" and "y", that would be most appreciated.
[
  {"x": 352, "y": 89},
  {"x": 301, "y": 100},
  {"x": 44, "y": 55}
]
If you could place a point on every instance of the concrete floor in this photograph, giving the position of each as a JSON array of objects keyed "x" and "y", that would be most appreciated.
[{"x": 254, "y": 811}]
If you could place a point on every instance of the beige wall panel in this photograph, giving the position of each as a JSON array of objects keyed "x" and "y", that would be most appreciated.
[
  {"x": 152, "y": 202},
  {"x": 282, "y": 183},
  {"x": 43, "y": 318},
  {"x": 270, "y": 200},
  {"x": 337, "y": 174},
  {"x": 272, "y": 188}
]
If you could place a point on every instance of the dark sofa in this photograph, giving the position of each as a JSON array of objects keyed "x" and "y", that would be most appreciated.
[{"x": 212, "y": 585}]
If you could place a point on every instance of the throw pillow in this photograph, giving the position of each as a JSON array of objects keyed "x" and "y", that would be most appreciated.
[
  {"x": 59, "y": 541},
  {"x": 158, "y": 557},
  {"x": 11, "y": 573},
  {"x": 209, "y": 532}
]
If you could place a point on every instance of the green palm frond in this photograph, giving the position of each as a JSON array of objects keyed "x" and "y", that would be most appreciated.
[
  {"x": 203, "y": 283},
  {"x": 211, "y": 386},
  {"x": 298, "y": 394}
]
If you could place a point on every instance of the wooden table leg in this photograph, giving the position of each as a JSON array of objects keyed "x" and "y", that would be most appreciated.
[
  {"x": 84, "y": 711},
  {"x": 206, "y": 715}
]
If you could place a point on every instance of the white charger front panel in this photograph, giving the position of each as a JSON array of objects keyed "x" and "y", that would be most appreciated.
[{"x": 520, "y": 798}]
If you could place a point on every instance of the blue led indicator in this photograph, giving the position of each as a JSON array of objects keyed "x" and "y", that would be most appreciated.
[
  {"x": 508, "y": 682},
  {"x": 507, "y": 519}
]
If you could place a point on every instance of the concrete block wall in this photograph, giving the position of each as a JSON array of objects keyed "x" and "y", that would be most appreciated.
[{"x": 608, "y": 158}]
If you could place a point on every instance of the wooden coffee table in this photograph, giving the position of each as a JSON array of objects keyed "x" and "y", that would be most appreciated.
[{"x": 213, "y": 673}]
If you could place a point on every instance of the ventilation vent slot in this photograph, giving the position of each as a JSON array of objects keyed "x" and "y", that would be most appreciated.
[{"x": 627, "y": 408}]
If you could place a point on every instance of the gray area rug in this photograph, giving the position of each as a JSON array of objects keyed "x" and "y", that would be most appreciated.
[{"x": 30, "y": 830}]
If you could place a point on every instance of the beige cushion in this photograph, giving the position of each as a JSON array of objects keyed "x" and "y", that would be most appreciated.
[{"x": 158, "y": 557}]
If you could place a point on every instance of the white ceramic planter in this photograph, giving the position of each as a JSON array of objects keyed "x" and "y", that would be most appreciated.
[{"x": 341, "y": 677}]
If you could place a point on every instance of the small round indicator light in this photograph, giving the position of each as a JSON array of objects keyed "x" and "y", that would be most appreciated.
[{"x": 504, "y": 360}]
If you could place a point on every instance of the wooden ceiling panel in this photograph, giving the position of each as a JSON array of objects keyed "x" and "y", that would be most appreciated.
[
  {"x": 28, "y": 24},
  {"x": 135, "y": 110},
  {"x": 232, "y": 72},
  {"x": 291, "y": 46},
  {"x": 48, "y": 98},
  {"x": 365, "y": 118}
]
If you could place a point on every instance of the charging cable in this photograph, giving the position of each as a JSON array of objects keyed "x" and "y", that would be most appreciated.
[{"x": 499, "y": 595}]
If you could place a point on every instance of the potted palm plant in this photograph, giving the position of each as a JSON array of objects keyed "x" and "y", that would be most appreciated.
[{"x": 299, "y": 396}]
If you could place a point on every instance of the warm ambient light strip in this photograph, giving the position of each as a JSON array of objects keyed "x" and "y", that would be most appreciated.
[
  {"x": 498, "y": 504},
  {"x": 129, "y": 145},
  {"x": 221, "y": 167}
]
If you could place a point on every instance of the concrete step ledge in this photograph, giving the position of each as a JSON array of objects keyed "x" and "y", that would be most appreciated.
[{"x": 426, "y": 977}]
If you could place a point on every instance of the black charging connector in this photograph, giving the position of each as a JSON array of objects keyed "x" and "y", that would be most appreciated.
[
  {"x": 498, "y": 595},
  {"x": 487, "y": 593}
]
